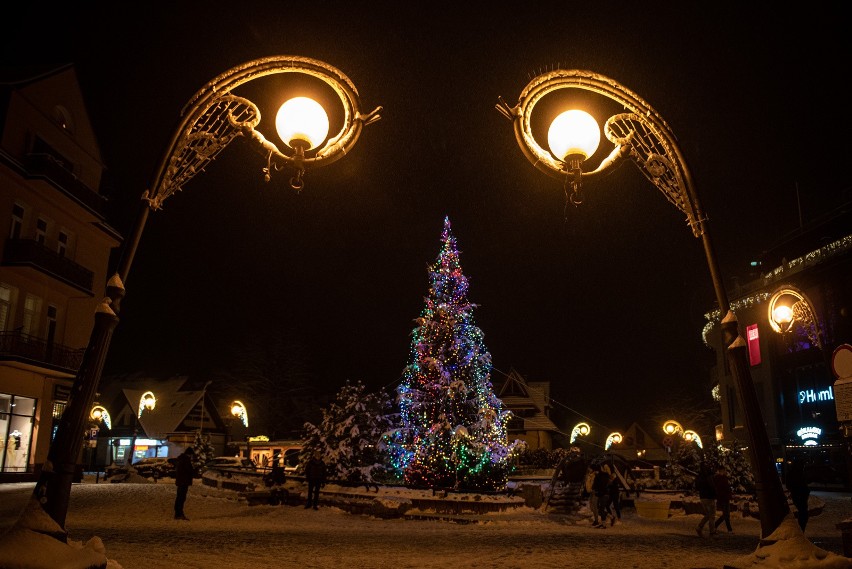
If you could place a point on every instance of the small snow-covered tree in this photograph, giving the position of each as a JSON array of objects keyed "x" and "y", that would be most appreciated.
[
  {"x": 204, "y": 451},
  {"x": 349, "y": 436},
  {"x": 687, "y": 460}
]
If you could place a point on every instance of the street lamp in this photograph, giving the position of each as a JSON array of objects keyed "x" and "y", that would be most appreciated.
[
  {"x": 213, "y": 118},
  {"x": 146, "y": 403},
  {"x": 692, "y": 437},
  {"x": 613, "y": 439},
  {"x": 672, "y": 427},
  {"x": 99, "y": 414},
  {"x": 580, "y": 430},
  {"x": 238, "y": 410},
  {"x": 641, "y": 135},
  {"x": 787, "y": 308}
]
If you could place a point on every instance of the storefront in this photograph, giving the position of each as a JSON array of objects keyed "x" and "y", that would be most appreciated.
[{"x": 17, "y": 417}]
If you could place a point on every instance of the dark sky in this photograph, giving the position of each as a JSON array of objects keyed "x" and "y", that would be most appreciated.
[{"x": 607, "y": 305}]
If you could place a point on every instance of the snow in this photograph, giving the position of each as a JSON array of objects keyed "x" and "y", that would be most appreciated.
[{"x": 130, "y": 526}]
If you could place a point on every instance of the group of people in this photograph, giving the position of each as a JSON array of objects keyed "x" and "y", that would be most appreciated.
[
  {"x": 715, "y": 492},
  {"x": 604, "y": 488},
  {"x": 315, "y": 474}
]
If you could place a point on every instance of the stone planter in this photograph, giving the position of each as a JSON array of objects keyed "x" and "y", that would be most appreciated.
[{"x": 652, "y": 509}]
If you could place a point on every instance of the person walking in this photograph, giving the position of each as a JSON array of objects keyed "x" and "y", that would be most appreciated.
[
  {"x": 614, "y": 496},
  {"x": 724, "y": 494},
  {"x": 315, "y": 472},
  {"x": 797, "y": 485},
  {"x": 590, "y": 490},
  {"x": 707, "y": 495},
  {"x": 600, "y": 487},
  {"x": 184, "y": 473}
]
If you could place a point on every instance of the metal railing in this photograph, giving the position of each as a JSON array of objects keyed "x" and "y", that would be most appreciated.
[
  {"x": 25, "y": 347},
  {"x": 19, "y": 252}
]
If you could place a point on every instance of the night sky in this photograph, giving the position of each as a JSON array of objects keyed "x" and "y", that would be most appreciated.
[{"x": 605, "y": 301}]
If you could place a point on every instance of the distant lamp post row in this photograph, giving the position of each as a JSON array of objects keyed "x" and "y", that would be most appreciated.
[
  {"x": 213, "y": 118},
  {"x": 641, "y": 135},
  {"x": 788, "y": 308}
]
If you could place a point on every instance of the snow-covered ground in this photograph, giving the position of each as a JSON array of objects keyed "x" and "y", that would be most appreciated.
[{"x": 132, "y": 525}]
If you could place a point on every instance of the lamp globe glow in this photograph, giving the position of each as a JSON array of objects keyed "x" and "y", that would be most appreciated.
[
  {"x": 782, "y": 315},
  {"x": 302, "y": 121},
  {"x": 573, "y": 132}
]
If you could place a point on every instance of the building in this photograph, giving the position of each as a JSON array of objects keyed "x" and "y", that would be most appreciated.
[
  {"x": 793, "y": 314},
  {"x": 530, "y": 407},
  {"x": 175, "y": 413},
  {"x": 54, "y": 255}
]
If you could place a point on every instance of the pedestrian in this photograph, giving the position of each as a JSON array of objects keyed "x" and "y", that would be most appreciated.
[
  {"x": 724, "y": 494},
  {"x": 184, "y": 473},
  {"x": 315, "y": 472},
  {"x": 590, "y": 490},
  {"x": 600, "y": 487},
  {"x": 707, "y": 495},
  {"x": 797, "y": 485},
  {"x": 614, "y": 498}
]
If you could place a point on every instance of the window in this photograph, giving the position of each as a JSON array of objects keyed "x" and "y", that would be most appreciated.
[
  {"x": 41, "y": 231},
  {"x": 5, "y": 306},
  {"x": 32, "y": 309},
  {"x": 62, "y": 243},
  {"x": 17, "y": 416},
  {"x": 17, "y": 221}
]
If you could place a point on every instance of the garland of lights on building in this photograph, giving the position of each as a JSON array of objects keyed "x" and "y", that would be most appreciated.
[
  {"x": 784, "y": 271},
  {"x": 453, "y": 432}
]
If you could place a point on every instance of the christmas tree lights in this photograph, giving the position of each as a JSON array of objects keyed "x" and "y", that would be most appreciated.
[{"x": 453, "y": 432}]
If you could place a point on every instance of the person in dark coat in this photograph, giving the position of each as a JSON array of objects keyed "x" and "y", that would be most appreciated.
[
  {"x": 724, "y": 494},
  {"x": 600, "y": 486},
  {"x": 797, "y": 484},
  {"x": 707, "y": 495},
  {"x": 184, "y": 473},
  {"x": 315, "y": 471},
  {"x": 614, "y": 490}
]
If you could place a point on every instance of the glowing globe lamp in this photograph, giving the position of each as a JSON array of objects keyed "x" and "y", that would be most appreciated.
[
  {"x": 302, "y": 122},
  {"x": 573, "y": 133}
]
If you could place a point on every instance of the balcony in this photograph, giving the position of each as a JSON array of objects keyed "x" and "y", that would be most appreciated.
[
  {"x": 27, "y": 252},
  {"x": 17, "y": 346},
  {"x": 42, "y": 165}
]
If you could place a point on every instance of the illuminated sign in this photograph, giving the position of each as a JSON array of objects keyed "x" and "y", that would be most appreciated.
[
  {"x": 811, "y": 396},
  {"x": 809, "y": 435},
  {"x": 259, "y": 439},
  {"x": 753, "y": 338}
]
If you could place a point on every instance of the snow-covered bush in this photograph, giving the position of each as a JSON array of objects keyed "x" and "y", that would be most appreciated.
[{"x": 349, "y": 436}]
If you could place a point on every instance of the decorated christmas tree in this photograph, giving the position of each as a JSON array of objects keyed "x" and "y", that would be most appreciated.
[{"x": 453, "y": 426}]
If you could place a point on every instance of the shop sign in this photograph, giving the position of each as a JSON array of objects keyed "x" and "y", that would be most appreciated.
[
  {"x": 809, "y": 435},
  {"x": 841, "y": 365}
]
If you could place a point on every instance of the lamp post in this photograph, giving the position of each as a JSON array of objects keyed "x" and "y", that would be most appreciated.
[
  {"x": 100, "y": 415},
  {"x": 212, "y": 119},
  {"x": 580, "y": 430},
  {"x": 641, "y": 135},
  {"x": 146, "y": 403}
]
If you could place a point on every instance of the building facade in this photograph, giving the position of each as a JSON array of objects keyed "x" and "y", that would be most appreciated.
[
  {"x": 54, "y": 255},
  {"x": 793, "y": 316}
]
